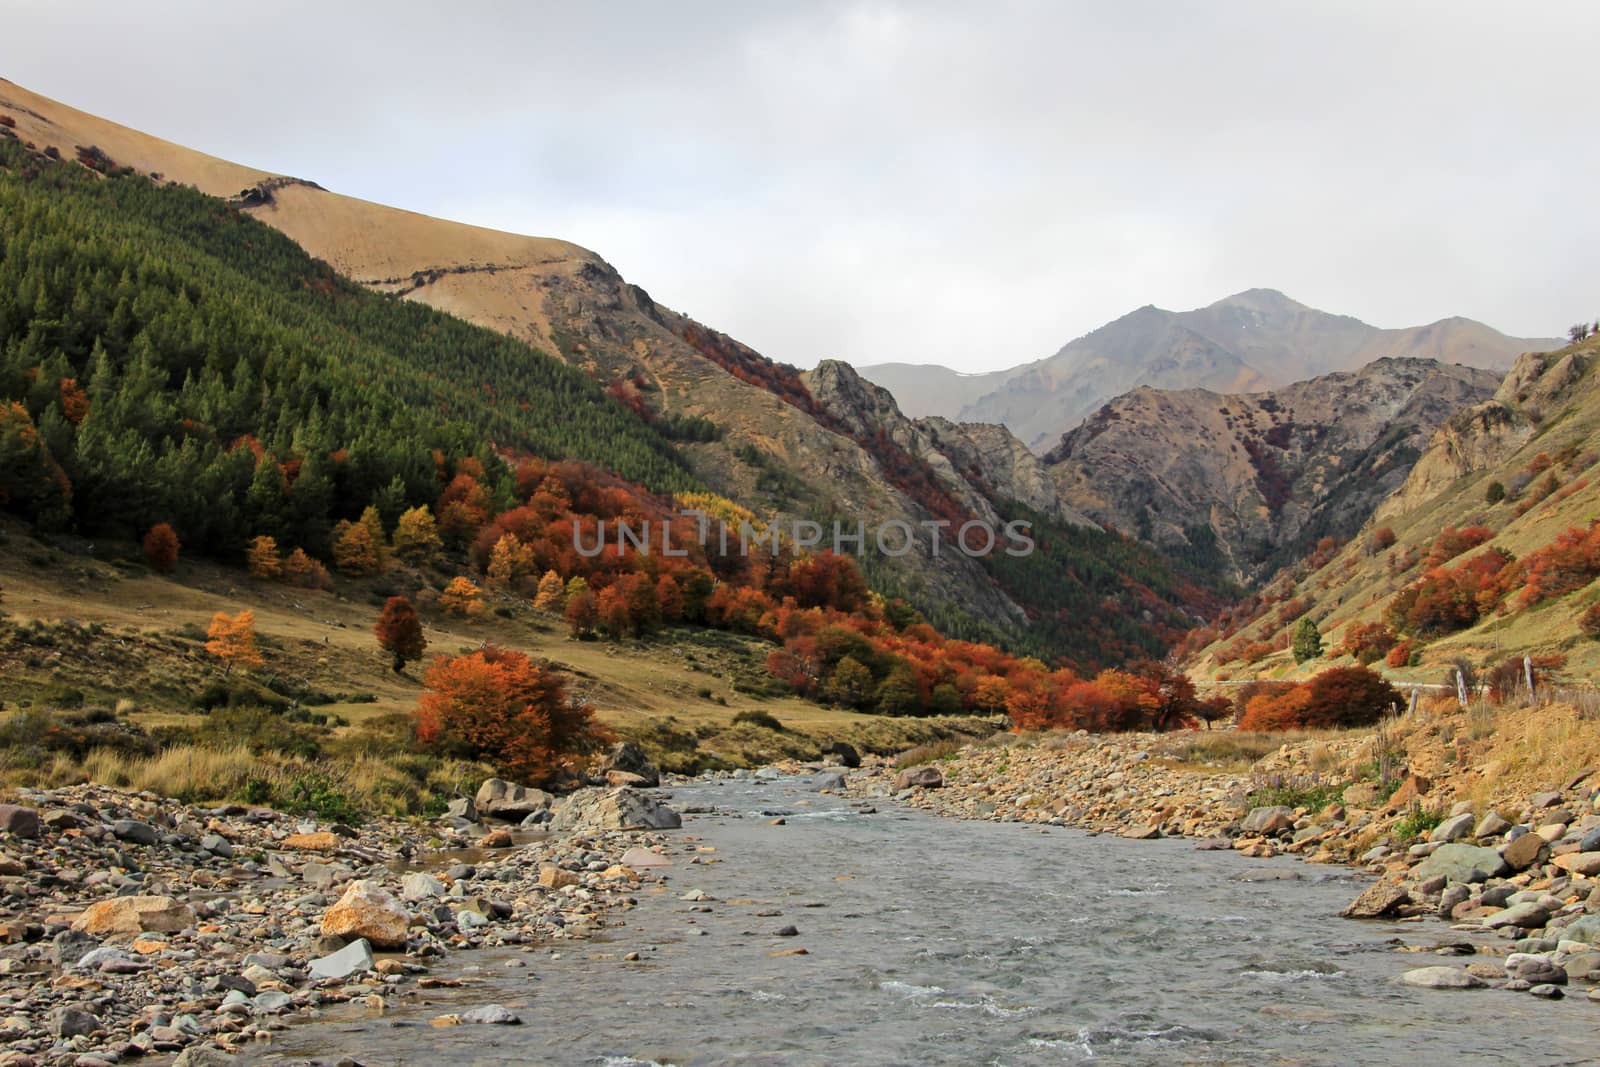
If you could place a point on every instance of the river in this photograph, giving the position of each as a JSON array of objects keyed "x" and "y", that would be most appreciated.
[{"x": 932, "y": 941}]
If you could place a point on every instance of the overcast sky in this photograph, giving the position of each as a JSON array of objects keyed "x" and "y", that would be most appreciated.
[{"x": 970, "y": 184}]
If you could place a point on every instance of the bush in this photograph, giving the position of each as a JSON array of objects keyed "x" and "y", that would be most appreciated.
[
  {"x": 497, "y": 705},
  {"x": 760, "y": 719},
  {"x": 1589, "y": 622},
  {"x": 1494, "y": 493},
  {"x": 1339, "y": 697}
]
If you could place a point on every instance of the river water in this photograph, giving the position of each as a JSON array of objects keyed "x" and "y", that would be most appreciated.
[{"x": 932, "y": 941}]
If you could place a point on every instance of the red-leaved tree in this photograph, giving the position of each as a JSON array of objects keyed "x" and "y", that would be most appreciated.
[
  {"x": 497, "y": 705},
  {"x": 399, "y": 632}
]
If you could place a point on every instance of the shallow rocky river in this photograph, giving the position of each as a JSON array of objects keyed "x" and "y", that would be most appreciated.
[{"x": 933, "y": 941}]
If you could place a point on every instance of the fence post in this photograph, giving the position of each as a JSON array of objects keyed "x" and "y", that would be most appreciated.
[
  {"x": 1527, "y": 672},
  {"x": 1461, "y": 687},
  {"x": 1416, "y": 698}
]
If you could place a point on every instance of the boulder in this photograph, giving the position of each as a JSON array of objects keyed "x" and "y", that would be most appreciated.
[
  {"x": 203, "y": 1056},
  {"x": 420, "y": 886},
  {"x": 1528, "y": 915},
  {"x": 923, "y": 777},
  {"x": 1454, "y": 828},
  {"x": 1586, "y": 930},
  {"x": 1460, "y": 862},
  {"x": 1378, "y": 900},
  {"x": 844, "y": 752},
  {"x": 553, "y": 877},
  {"x": 1269, "y": 820},
  {"x": 641, "y": 858},
  {"x": 1584, "y": 863},
  {"x": 1442, "y": 977},
  {"x": 134, "y": 915},
  {"x": 500, "y": 799},
  {"x": 354, "y": 958},
  {"x": 1493, "y": 825},
  {"x": 367, "y": 910},
  {"x": 827, "y": 781},
  {"x": 1535, "y": 969},
  {"x": 461, "y": 808},
  {"x": 69, "y": 1022},
  {"x": 1412, "y": 790},
  {"x": 626, "y": 757},
  {"x": 613, "y": 809},
  {"x": 136, "y": 832},
  {"x": 19, "y": 821},
  {"x": 1525, "y": 851},
  {"x": 491, "y": 1015}
]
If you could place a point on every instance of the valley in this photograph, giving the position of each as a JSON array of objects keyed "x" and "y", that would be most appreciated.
[{"x": 341, "y": 706}]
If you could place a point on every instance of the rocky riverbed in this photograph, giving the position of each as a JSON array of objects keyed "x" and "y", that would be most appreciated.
[
  {"x": 1522, "y": 869},
  {"x": 133, "y": 926}
]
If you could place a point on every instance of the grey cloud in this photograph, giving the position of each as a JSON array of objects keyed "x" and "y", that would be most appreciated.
[{"x": 962, "y": 183}]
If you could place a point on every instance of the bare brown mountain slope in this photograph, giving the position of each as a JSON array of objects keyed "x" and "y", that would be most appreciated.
[
  {"x": 1264, "y": 475},
  {"x": 568, "y": 300}
]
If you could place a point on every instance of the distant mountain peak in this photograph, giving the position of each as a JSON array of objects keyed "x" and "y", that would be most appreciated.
[{"x": 1261, "y": 300}]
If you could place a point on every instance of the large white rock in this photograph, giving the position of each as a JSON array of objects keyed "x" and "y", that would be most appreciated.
[{"x": 613, "y": 809}]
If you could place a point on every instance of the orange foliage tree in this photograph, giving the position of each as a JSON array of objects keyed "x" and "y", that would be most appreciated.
[
  {"x": 232, "y": 639},
  {"x": 161, "y": 548},
  {"x": 399, "y": 632},
  {"x": 497, "y": 705},
  {"x": 262, "y": 559},
  {"x": 354, "y": 551},
  {"x": 462, "y": 598}
]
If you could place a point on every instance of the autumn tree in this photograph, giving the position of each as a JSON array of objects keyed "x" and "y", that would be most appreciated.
[
  {"x": 232, "y": 639},
  {"x": 509, "y": 563},
  {"x": 353, "y": 549},
  {"x": 582, "y": 612},
  {"x": 300, "y": 569},
  {"x": 1307, "y": 641},
  {"x": 161, "y": 548},
  {"x": 551, "y": 595},
  {"x": 373, "y": 521},
  {"x": 416, "y": 537},
  {"x": 1589, "y": 622},
  {"x": 399, "y": 632},
  {"x": 263, "y": 560},
  {"x": 1214, "y": 709},
  {"x": 497, "y": 705},
  {"x": 462, "y": 598}
]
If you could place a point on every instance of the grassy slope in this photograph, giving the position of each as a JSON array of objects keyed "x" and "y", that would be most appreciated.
[
  {"x": 1355, "y": 587},
  {"x": 150, "y": 653}
]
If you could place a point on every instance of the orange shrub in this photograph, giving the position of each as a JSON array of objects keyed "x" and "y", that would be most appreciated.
[
  {"x": 497, "y": 705},
  {"x": 1338, "y": 697},
  {"x": 1451, "y": 542}
]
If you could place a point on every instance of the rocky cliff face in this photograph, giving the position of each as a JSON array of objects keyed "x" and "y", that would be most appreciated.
[
  {"x": 1251, "y": 480},
  {"x": 983, "y": 466},
  {"x": 1484, "y": 435}
]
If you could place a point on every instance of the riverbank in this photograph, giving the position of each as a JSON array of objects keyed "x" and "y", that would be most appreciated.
[
  {"x": 134, "y": 926},
  {"x": 1488, "y": 820}
]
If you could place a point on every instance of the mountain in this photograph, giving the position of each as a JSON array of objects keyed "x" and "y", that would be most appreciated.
[
  {"x": 1255, "y": 340},
  {"x": 1487, "y": 550},
  {"x": 740, "y": 425},
  {"x": 929, "y": 389},
  {"x": 1246, "y": 481}
]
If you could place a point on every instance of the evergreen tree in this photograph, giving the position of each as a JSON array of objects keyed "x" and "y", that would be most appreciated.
[{"x": 1307, "y": 641}]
